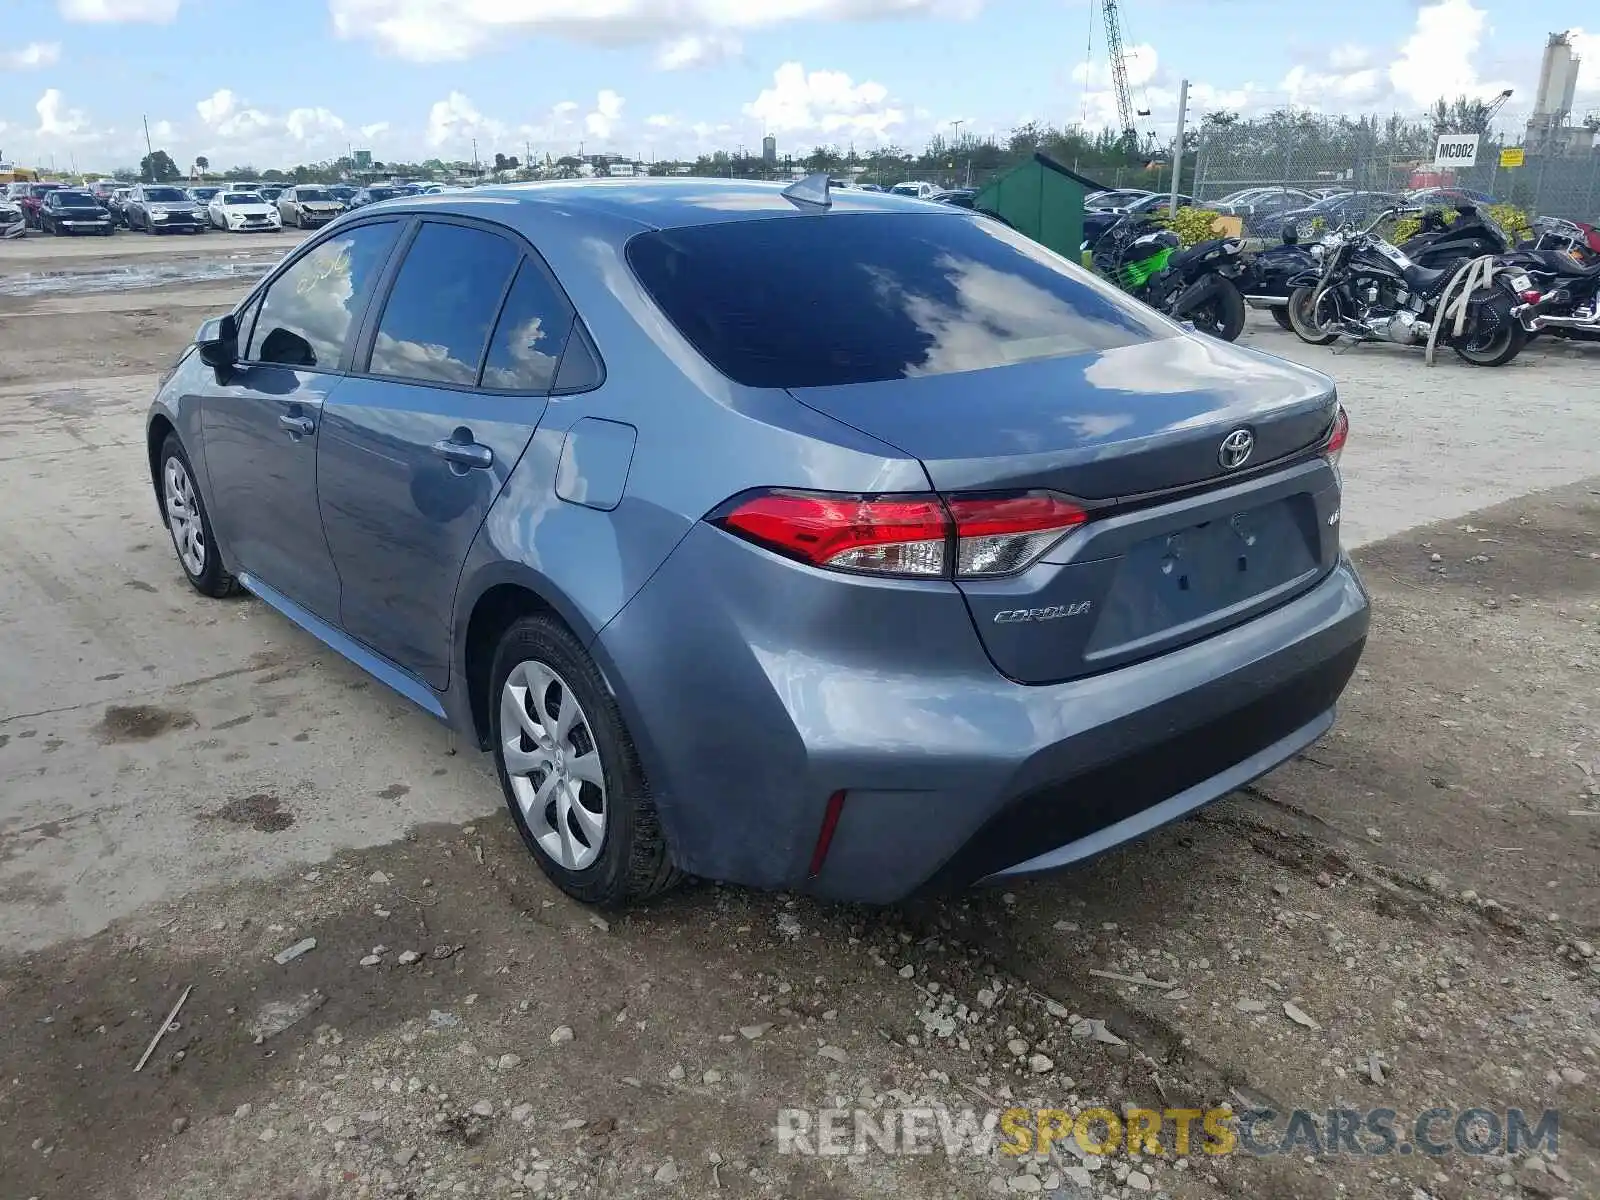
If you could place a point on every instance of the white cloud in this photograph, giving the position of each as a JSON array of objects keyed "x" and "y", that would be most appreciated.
[
  {"x": 57, "y": 121},
  {"x": 826, "y": 105},
  {"x": 438, "y": 30},
  {"x": 1349, "y": 57},
  {"x": 1141, "y": 60},
  {"x": 607, "y": 114},
  {"x": 34, "y": 54},
  {"x": 455, "y": 120},
  {"x": 312, "y": 124},
  {"x": 162, "y": 131},
  {"x": 215, "y": 108},
  {"x": 1436, "y": 60},
  {"x": 159, "y": 11},
  {"x": 698, "y": 50},
  {"x": 376, "y": 129},
  {"x": 661, "y": 121}
]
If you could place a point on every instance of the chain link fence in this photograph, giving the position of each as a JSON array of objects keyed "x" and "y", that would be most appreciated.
[{"x": 1280, "y": 165}]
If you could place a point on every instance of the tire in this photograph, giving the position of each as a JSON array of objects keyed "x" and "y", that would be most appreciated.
[
  {"x": 1300, "y": 322},
  {"x": 539, "y": 668},
  {"x": 1498, "y": 352},
  {"x": 1221, "y": 314},
  {"x": 1280, "y": 314},
  {"x": 206, "y": 574}
]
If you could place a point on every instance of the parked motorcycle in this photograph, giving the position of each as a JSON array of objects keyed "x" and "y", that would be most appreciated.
[
  {"x": 1440, "y": 243},
  {"x": 1197, "y": 285},
  {"x": 1266, "y": 275},
  {"x": 1369, "y": 290},
  {"x": 1566, "y": 273}
]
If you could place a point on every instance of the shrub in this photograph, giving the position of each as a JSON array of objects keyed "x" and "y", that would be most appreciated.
[
  {"x": 1192, "y": 225},
  {"x": 1515, "y": 221}
]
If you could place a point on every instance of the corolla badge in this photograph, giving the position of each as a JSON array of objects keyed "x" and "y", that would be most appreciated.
[
  {"x": 1012, "y": 616},
  {"x": 1236, "y": 449}
]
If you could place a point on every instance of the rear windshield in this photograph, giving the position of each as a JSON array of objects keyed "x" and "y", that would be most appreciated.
[
  {"x": 242, "y": 198},
  {"x": 383, "y": 193},
  {"x": 812, "y": 301},
  {"x": 68, "y": 199}
]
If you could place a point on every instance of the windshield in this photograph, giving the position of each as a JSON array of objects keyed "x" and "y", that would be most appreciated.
[
  {"x": 242, "y": 198},
  {"x": 40, "y": 189},
  {"x": 877, "y": 296},
  {"x": 204, "y": 193},
  {"x": 164, "y": 195},
  {"x": 382, "y": 193},
  {"x": 312, "y": 194}
]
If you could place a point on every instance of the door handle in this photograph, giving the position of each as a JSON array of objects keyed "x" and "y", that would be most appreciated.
[
  {"x": 297, "y": 424},
  {"x": 464, "y": 454}
]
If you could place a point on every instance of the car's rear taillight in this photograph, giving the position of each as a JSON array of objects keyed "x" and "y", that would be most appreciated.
[
  {"x": 1334, "y": 446},
  {"x": 1000, "y": 535},
  {"x": 888, "y": 535},
  {"x": 910, "y": 536}
]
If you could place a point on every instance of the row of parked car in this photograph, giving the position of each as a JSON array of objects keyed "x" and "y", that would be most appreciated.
[
  {"x": 106, "y": 205},
  {"x": 1267, "y": 209}
]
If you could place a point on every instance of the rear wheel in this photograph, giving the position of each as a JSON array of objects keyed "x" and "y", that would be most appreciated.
[
  {"x": 570, "y": 772},
  {"x": 1496, "y": 350},
  {"x": 1280, "y": 314},
  {"x": 1301, "y": 321},
  {"x": 1220, "y": 313}
]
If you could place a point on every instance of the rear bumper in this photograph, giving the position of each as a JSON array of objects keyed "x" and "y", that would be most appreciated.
[{"x": 952, "y": 773}]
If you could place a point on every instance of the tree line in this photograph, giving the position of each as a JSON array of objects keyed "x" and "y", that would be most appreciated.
[{"x": 947, "y": 160}]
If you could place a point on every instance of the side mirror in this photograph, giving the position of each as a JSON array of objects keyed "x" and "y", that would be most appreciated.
[
  {"x": 1291, "y": 234},
  {"x": 218, "y": 340}
]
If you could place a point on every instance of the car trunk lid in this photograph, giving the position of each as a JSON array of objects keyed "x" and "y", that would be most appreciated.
[{"x": 1183, "y": 540}]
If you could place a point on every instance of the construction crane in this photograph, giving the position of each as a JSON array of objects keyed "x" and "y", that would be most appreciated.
[{"x": 1119, "y": 76}]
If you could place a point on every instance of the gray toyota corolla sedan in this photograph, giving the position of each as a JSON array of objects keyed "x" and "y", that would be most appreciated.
[{"x": 839, "y": 542}]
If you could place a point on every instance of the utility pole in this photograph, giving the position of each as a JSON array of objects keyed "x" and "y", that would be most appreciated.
[
  {"x": 475, "y": 170},
  {"x": 956, "y": 146},
  {"x": 148, "y": 152},
  {"x": 1177, "y": 148}
]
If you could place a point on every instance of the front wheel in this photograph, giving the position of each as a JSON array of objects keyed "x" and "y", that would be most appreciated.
[
  {"x": 1302, "y": 320},
  {"x": 1498, "y": 350},
  {"x": 570, "y": 772},
  {"x": 190, "y": 524}
]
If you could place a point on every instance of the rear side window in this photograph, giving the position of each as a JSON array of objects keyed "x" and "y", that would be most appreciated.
[
  {"x": 443, "y": 304},
  {"x": 530, "y": 337},
  {"x": 309, "y": 309},
  {"x": 835, "y": 298}
]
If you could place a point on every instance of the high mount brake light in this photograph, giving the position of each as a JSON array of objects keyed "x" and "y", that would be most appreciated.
[
  {"x": 1334, "y": 446},
  {"x": 906, "y": 536}
]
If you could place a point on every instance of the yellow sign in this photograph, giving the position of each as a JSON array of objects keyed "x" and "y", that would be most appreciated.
[{"x": 1512, "y": 157}]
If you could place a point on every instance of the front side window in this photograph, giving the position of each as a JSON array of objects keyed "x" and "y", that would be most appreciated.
[
  {"x": 310, "y": 309},
  {"x": 531, "y": 334},
  {"x": 443, "y": 304}
]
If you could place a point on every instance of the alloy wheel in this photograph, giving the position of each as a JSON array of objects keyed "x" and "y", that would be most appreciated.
[
  {"x": 553, "y": 765},
  {"x": 183, "y": 518}
]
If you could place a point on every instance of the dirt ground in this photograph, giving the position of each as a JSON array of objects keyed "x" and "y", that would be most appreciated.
[{"x": 1403, "y": 918}]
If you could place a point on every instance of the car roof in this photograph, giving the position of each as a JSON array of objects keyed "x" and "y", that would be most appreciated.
[{"x": 658, "y": 203}]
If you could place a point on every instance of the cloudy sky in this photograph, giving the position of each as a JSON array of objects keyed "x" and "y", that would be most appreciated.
[{"x": 280, "y": 81}]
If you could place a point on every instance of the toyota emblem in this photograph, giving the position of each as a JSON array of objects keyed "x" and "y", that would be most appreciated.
[{"x": 1235, "y": 449}]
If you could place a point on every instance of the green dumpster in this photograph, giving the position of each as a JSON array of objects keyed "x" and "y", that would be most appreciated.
[{"x": 1041, "y": 199}]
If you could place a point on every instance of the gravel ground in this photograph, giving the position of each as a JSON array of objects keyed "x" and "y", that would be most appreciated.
[{"x": 1404, "y": 917}]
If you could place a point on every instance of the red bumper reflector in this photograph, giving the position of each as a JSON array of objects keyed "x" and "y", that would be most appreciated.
[{"x": 830, "y": 822}]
